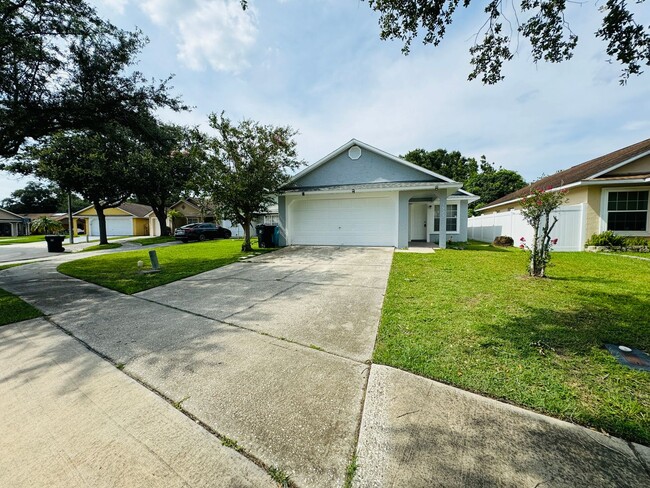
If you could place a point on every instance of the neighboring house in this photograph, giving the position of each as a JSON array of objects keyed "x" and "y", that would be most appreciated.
[
  {"x": 61, "y": 217},
  {"x": 610, "y": 192},
  {"x": 128, "y": 219},
  {"x": 12, "y": 225},
  {"x": 191, "y": 210},
  {"x": 361, "y": 196}
]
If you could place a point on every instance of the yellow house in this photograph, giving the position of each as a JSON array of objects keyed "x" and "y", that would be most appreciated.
[
  {"x": 612, "y": 190},
  {"x": 128, "y": 219}
]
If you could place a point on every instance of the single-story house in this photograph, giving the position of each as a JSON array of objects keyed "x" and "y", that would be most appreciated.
[
  {"x": 12, "y": 225},
  {"x": 127, "y": 219},
  {"x": 359, "y": 195},
  {"x": 191, "y": 210},
  {"x": 612, "y": 190}
]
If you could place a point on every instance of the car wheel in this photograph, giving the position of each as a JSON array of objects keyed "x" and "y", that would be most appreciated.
[
  {"x": 227, "y": 234},
  {"x": 185, "y": 240},
  {"x": 202, "y": 237}
]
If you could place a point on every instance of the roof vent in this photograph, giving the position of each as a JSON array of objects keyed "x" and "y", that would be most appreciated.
[{"x": 354, "y": 152}]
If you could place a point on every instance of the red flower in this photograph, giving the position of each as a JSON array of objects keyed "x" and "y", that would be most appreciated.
[
  {"x": 554, "y": 241},
  {"x": 521, "y": 246}
]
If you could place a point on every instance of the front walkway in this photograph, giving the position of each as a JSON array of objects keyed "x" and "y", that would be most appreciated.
[{"x": 274, "y": 355}]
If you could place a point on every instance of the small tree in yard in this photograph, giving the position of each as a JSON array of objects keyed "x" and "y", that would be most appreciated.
[
  {"x": 245, "y": 166},
  {"x": 45, "y": 225},
  {"x": 536, "y": 209}
]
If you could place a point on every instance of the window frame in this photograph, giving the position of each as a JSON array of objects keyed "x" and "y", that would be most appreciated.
[
  {"x": 604, "y": 210},
  {"x": 433, "y": 217}
]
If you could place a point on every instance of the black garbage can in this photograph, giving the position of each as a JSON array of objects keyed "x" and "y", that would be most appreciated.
[
  {"x": 265, "y": 235},
  {"x": 54, "y": 243}
]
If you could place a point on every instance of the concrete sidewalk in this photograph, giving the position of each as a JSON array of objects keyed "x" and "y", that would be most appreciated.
[
  {"x": 420, "y": 433},
  {"x": 70, "y": 419}
]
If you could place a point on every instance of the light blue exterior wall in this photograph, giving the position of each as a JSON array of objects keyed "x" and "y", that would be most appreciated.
[
  {"x": 462, "y": 224},
  {"x": 369, "y": 168},
  {"x": 282, "y": 220}
]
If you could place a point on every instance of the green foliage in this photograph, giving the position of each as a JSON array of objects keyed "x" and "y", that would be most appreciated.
[
  {"x": 164, "y": 163},
  {"x": 14, "y": 309},
  {"x": 245, "y": 165},
  {"x": 64, "y": 68},
  {"x": 279, "y": 476},
  {"x": 606, "y": 238},
  {"x": 45, "y": 225},
  {"x": 637, "y": 241},
  {"x": 451, "y": 164},
  {"x": 492, "y": 185},
  {"x": 34, "y": 198},
  {"x": 488, "y": 331},
  {"x": 543, "y": 23},
  {"x": 610, "y": 239},
  {"x": 478, "y": 177},
  {"x": 41, "y": 198},
  {"x": 536, "y": 209}
]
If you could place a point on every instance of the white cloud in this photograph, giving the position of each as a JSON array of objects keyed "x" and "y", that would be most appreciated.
[
  {"x": 216, "y": 34},
  {"x": 116, "y": 6}
]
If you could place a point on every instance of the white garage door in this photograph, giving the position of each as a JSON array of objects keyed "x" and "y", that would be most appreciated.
[
  {"x": 362, "y": 221},
  {"x": 115, "y": 226}
]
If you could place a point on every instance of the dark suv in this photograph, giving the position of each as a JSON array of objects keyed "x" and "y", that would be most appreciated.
[{"x": 201, "y": 232}]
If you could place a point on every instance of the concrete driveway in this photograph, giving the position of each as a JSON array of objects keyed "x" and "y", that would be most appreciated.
[{"x": 271, "y": 352}]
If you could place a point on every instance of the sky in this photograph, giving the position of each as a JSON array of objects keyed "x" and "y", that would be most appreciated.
[{"x": 321, "y": 67}]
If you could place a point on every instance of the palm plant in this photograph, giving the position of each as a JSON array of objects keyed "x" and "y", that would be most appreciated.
[{"x": 45, "y": 225}]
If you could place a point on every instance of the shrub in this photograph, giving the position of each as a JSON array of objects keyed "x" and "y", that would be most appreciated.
[
  {"x": 503, "y": 241},
  {"x": 636, "y": 242},
  {"x": 607, "y": 238}
]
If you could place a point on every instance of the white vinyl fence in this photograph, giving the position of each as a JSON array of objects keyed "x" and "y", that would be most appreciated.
[{"x": 569, "y": 230}]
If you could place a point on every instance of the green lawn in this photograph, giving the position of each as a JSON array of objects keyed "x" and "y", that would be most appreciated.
[
  {"x": 473, "y": 319},
  {"x": 5, "y": 241},
  {"x": 14, "y": 309},
  {"x": 7, "y": 266},
  {"x": 148, "y": 241},
  {"x": 100, "y": 247},
  {"x": 119, "y": 271}
]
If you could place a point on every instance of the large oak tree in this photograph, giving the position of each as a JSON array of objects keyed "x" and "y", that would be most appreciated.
[{"x": 64, "y": 68}]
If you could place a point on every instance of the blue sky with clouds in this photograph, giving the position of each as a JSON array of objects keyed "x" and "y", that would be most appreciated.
[{"x": 320, "y": 66}]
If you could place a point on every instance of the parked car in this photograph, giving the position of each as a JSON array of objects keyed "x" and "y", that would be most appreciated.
[{"x": 201, "y": 232}]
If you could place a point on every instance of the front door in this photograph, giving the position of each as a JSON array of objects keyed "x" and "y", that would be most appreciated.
[{"x": 418, "y": 222}]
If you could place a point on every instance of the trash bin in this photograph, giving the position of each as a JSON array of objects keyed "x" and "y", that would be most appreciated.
[
  {"x": 276, "y": 236},
  {"x": 54, "y": 243},
  {"x": 265, "y": 235}
]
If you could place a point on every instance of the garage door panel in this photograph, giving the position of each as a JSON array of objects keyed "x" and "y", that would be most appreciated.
[
  {"x": 363, "y": 221},
  {"x": 115, "y": 226}
]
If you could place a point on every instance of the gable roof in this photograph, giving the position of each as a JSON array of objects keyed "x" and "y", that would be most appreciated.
[
  {"x": 367, "y": 147},
  {"x": 134, "y": 209},
  {"x": 11, "y": 214},
  {"x": 589, "y": 170}
]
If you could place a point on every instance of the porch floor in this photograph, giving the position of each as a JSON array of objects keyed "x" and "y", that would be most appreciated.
[{"x": 420, "y": 247}]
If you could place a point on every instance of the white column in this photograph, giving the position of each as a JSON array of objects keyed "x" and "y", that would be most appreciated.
[{"x": 442, "y": 235}]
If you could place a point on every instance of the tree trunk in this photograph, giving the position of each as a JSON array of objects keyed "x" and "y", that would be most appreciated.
[
  {"x": 161, "y": 215},
  {"x": 103, "y": 239},
  {"x": 246, "y": 246}
]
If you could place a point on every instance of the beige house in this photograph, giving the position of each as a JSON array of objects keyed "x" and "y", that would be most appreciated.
[
  {"x": 193, "y": 212},
  {"x": 612, "y": 189},
  {"x": 12, "y": 225}
]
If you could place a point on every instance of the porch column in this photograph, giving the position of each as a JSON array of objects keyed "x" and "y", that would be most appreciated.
[{"x": 442, "y": 234}]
